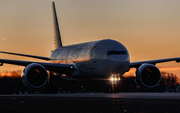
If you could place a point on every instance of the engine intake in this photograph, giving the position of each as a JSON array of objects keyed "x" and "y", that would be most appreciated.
[
  {"x": 148, "y": 76},
  {"x": 34, "y": 76}
]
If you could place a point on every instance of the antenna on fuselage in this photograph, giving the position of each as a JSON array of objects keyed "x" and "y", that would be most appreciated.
[{"x": 57, "y": 36}]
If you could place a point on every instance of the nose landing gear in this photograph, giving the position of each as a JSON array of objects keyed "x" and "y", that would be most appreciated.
[{"x": 115, "y": 78}]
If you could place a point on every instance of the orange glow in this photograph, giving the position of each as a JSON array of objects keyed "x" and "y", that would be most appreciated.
[
  {"x": 140, "y": 26},
  {"x": 64, "y": 75},
  {"x": 174, "y": 70},
  {"x": 57, "y": 62},
  {"x": 37, "y": 70},
  {"x": 130, "y": 72},
  {"x": 80, "y": 60},
  {"x": 169, "y": 68},
  {"x": 69, "y": 61},
  {"x": 11, "y": 74}
]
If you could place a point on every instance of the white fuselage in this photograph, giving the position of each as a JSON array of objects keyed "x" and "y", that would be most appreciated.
[{"x": 97, "y": 59}]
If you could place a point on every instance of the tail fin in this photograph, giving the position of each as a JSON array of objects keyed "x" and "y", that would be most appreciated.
[{"x": 57, "y": 36}]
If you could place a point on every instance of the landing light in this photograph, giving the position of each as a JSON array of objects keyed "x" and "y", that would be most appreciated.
[{"x": 115, "y": 77}]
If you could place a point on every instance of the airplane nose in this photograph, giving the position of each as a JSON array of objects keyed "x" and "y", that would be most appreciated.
[
  {"x": 119, "y": 64},
  {"x": 122, "y": 63}
]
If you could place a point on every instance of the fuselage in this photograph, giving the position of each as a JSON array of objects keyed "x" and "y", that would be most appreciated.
[{"x": 96, "y": 59}]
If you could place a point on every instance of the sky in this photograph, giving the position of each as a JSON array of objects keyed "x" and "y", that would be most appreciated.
[{"x": 149, "y": 29}]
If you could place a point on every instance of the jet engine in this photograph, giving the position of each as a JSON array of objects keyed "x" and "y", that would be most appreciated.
[
  {"x": 34, "y": 76},
  {"x": 148, "y": 76}
]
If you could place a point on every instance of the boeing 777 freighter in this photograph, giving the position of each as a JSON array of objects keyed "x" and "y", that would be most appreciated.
[{"x": 103, "y": 59}]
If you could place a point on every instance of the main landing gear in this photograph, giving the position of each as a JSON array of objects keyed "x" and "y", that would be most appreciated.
[{"x": 49, "y": 87}]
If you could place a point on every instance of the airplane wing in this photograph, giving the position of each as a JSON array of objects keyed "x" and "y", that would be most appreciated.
[
  {"x": 137, "y": 64},
  {"x": 31, "y": 56},
  {"x": 63, "y": 68}
]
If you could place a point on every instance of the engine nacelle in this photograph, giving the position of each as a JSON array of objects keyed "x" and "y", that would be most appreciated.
[
  {"x": 148, "y": 76},
  {"x": 34, "y": 76}
]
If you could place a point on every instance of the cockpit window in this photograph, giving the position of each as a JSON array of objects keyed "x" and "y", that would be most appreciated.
[{"x": 117, "y": 53}]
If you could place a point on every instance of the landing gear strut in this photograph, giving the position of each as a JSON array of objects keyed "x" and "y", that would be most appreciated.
[
  {"x": 113, "y": 86},
  {"x": 49, "y": 88}
]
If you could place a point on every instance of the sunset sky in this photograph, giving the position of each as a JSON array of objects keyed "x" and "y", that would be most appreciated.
[{"x": 149, "y": 29}]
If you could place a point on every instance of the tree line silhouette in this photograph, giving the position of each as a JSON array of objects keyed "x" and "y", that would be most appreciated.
[
  {"x": 169, "y": 82},
  {"x": 170, "y": 79},
  {"x": 11, "y": 74}
]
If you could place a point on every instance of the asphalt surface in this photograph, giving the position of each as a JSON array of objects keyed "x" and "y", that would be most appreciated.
[
  {"x": 91, "y": 103},
  {"x": 106, "y": 95}
]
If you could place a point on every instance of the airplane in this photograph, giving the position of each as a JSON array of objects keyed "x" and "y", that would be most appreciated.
[{"x": 102, "y": 59}]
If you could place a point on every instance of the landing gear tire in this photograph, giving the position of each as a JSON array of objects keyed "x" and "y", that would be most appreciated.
[
  {"x": 49, "y": 88},
  {"x": 111, "y": 88},
  {"x": 46, "y": 89},
  {"x": 114, "y": 88}
]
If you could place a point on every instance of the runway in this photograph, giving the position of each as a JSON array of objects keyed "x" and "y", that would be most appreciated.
[
  {"x": 91, "y": 103},
  {"x": 106, "y": 95}
]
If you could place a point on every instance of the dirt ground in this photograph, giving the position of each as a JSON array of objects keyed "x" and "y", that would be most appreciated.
[{"x": 28, "y": 104}]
